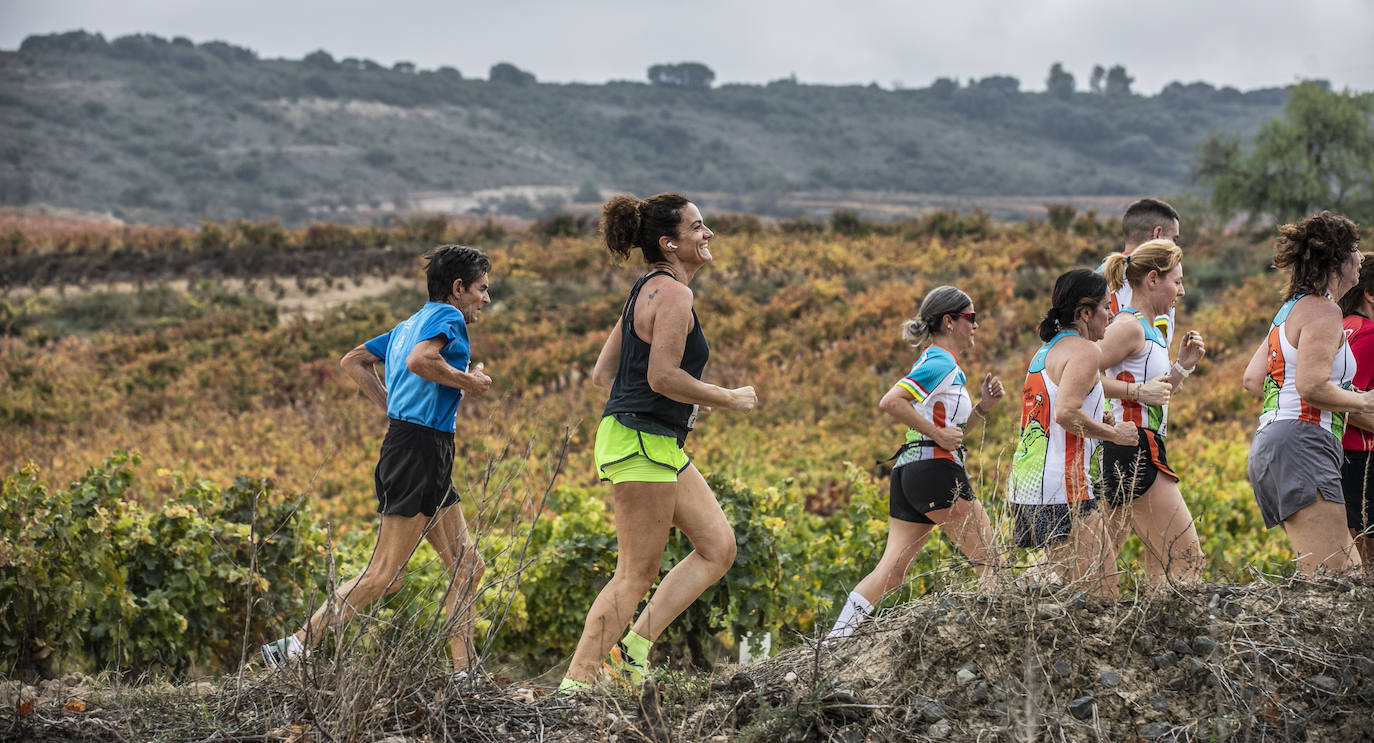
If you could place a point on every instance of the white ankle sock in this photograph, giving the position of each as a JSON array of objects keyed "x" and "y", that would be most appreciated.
[{"x": 856, "y": 609}]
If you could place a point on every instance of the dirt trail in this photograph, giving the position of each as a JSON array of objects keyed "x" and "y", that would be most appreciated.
[{"x": 1275, "y": 662}]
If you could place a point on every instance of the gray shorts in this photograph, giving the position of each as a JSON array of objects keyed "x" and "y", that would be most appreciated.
[{"x": 1293, "y": 462}]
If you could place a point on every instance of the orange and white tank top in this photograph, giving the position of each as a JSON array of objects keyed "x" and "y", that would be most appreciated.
[
  {"x": 1051, "y": 463},
  {"x": 1281, "y": 398},
  {"x": 1150, "y": 362}
]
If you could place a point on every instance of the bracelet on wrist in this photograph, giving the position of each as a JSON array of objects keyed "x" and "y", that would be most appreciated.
[{"x": 1182, "y": 372}]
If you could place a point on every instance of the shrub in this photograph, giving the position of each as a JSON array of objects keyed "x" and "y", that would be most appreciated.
[
  {"x": 563, "y": 225},
  {"x": 1061, "y": 216},
  {"x": 89, "y": 577}
]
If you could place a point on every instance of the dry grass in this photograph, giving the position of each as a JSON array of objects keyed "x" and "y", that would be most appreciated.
[{"x": 1285, "y": 660}]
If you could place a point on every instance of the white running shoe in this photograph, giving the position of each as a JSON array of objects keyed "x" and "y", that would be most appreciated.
[{"x": 280, "y": 652}]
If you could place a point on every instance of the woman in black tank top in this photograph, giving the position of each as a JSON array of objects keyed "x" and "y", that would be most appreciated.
[{"x": 653, "y": 362}]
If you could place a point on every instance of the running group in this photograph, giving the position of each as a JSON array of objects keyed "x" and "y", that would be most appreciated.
[{"x": 1090, "y": 466}]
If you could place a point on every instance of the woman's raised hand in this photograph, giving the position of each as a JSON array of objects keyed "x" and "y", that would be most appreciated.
[
  {"x": 1192, "y": 350},
  {"x": 993, "y": 393}
]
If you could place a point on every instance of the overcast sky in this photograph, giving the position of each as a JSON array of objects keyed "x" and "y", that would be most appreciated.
[{"x": 1246, "y": 44}]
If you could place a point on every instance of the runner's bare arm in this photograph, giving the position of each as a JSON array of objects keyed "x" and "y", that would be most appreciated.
[
  {"x": 608, "y": 361},
  {"x": 1081, "y": 372},
  {"x": 1321, "y": 338},
  {"x": 1253, "y": 378},
  {"x": 897, "y": 403},
  {"x": 360, "y": 365},
  {"x": 992, "y": 393},
  {"x": 426, "y": 361},
  {"x": 1125, "y": 337},
  {"x": 672, "y": 321}
]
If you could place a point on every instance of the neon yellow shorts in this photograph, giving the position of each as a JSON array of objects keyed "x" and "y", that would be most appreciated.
[{"x": 626, "y": 455}]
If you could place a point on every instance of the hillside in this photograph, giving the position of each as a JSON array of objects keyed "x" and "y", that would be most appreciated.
[{"x": 154, "y": 130}]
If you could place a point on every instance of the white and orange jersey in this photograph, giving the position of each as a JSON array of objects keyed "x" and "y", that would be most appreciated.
[
  {"x": 1281, "y": 398},
  {"x": 1150, "y": 362},
  {"x": 1051, "y": 463},
  {"x": 936, "y": 386}
]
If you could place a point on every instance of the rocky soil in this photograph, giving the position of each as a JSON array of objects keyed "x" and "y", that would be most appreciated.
[{"x": 1291, "y": 661}]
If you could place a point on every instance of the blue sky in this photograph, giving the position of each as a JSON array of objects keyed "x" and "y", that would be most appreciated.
[{"x": 1226, "y": 42}]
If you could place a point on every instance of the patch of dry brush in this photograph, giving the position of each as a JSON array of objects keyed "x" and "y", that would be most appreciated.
[{"x": 1281, "y": 661}]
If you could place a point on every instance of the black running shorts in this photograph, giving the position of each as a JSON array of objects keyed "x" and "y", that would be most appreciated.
[
  {"x": 414, "y": 473},
  {"x": 926, "y": 485},
  {"x": 1128, "y": 472},
  {"x": 1357, "y": 477},
  {"x": 1048, "y": 524}
]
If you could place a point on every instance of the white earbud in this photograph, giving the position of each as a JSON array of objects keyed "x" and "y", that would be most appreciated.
[{"x": 674, "y": 247}]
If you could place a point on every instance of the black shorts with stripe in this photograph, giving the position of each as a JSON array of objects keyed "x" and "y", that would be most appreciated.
[{"x": 1128, "y": 472}]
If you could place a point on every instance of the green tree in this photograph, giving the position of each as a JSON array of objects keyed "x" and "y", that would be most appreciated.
[
  {"x": 320, "y": 60},
  {"x": 1095, "y": 82},
  {"x": 944, "y": 87},
  {"x": 691, "y": 75},
  {"x": 1060, "y": 83},
  {"x": 1118, "y": 82},
  {"x": 505, "y": 72},
  {"x": 1319, "y": 155}
]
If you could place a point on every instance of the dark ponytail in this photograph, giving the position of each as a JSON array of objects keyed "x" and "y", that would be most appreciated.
[
  {"x": 1073, "y": 290},
  {"x": 628, "y": 223}
]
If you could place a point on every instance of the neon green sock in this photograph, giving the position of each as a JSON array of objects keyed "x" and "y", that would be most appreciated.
[
  {"x": 638, "y": 647},
  {"x": 571, "y": 685}
]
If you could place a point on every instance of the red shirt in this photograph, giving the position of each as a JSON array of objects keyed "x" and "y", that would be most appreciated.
[{"x": 1359, "y": 332}]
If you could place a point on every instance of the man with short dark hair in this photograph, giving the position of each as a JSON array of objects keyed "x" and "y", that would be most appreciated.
[
  {"x": 1144, "y": 220},
  {"x": 426, "y": 359}
]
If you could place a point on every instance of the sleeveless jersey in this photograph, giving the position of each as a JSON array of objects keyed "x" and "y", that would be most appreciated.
[
  {"x": 631, "y": 394},
  {"x": 1051, "y": 463},
  {"x": 1281, "y": 398},
  {"x": 1121, "y": 300},
  {"x": 936, "y": 385},
  {"x": 1151, "y": 362}
]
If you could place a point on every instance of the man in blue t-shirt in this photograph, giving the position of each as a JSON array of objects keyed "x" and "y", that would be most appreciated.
[{"x": 426, "y": 360}]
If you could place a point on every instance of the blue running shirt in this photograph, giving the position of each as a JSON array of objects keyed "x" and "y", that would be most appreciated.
[{"x": 410, "y": 397}]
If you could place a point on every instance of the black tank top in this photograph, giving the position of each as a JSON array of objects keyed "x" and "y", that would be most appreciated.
[{"x": 632, "y": 401}]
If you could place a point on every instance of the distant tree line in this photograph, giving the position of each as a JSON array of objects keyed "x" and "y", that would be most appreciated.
[{"x": 150, "y": 160}]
